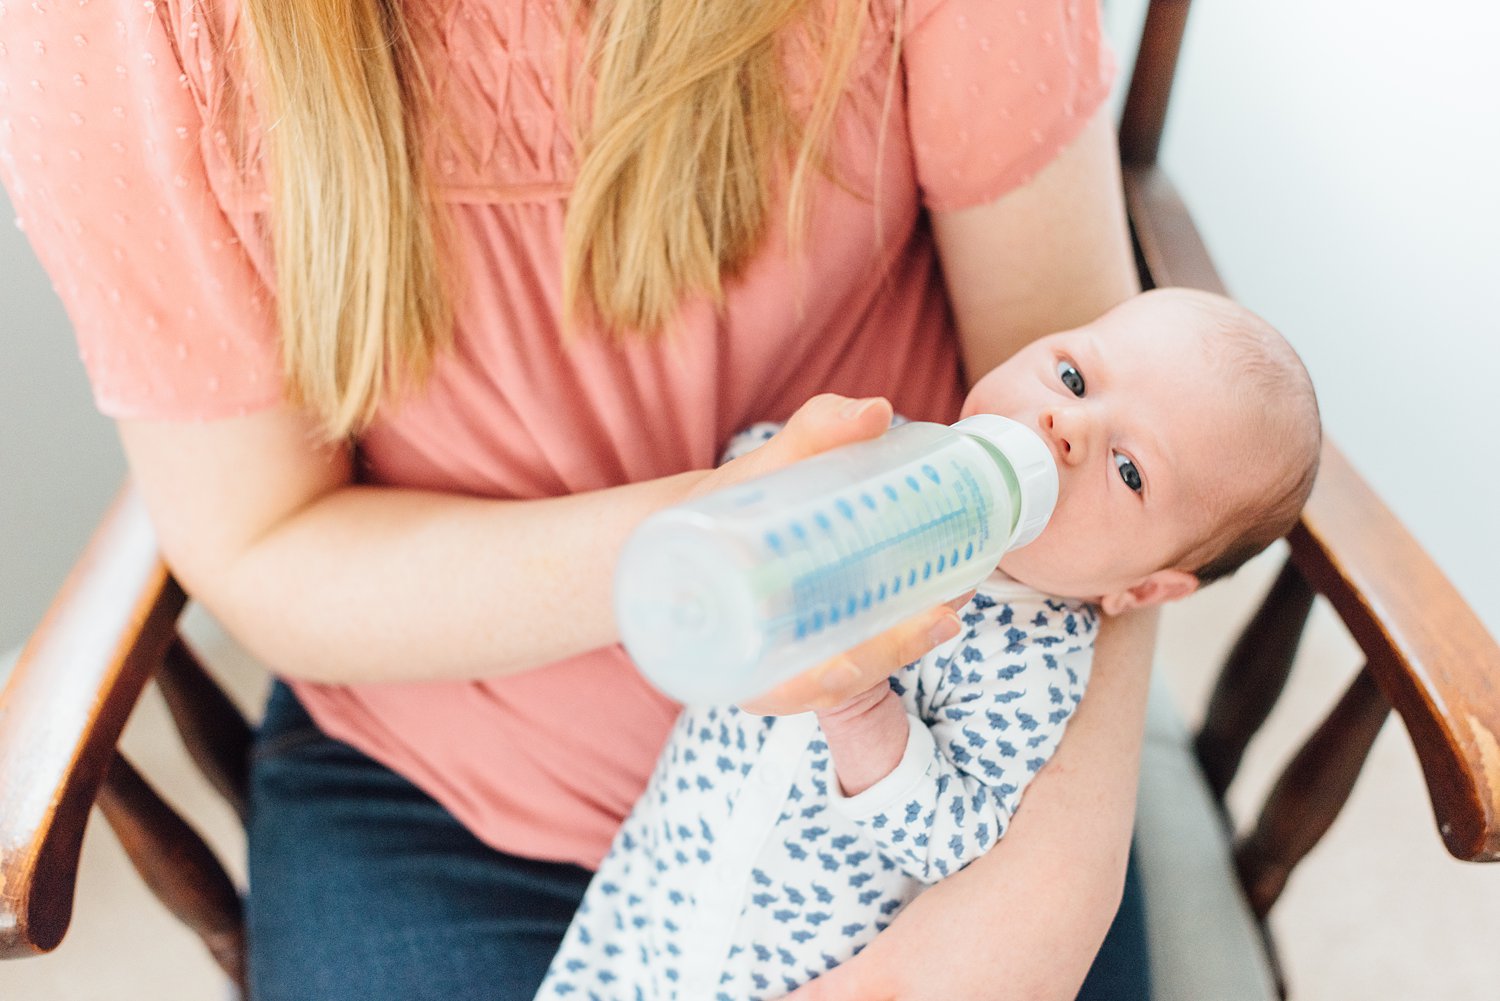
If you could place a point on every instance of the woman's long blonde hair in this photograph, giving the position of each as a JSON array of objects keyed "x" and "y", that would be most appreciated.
[{"x": 691, "y": 127}]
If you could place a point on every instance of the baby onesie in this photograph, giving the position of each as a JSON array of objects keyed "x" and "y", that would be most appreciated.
[{"x": 743, "y": 871}]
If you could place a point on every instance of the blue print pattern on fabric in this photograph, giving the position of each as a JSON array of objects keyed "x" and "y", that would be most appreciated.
[{"x": 743, "y": 872}]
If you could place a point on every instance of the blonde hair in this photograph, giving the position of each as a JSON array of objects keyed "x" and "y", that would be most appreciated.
[
  {"x": 363, "y": 303},
  {"x": 691, "y": 128}
]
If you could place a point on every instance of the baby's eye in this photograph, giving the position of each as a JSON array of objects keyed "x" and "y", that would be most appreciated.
[
  {"x": 1128, "y": 472},
  {"x": 1071, "y": 377}
]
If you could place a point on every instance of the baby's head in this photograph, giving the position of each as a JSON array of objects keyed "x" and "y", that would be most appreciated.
[{"x": 1186, "y": 434}]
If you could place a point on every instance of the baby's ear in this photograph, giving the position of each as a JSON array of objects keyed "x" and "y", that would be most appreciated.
[{"x": 1155, "y": 589}]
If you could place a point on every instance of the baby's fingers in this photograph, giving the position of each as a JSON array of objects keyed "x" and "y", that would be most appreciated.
[{"x": 840, "y": 678}]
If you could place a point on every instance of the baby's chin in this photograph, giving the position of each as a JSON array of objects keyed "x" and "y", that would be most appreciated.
[
  {"x": 1038, "y": 566},
  {"x": 1021, "y": 569}
]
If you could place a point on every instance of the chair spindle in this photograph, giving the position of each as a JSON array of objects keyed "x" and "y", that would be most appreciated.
[
  {"x": 1310, "y": 793},
  {"x": 212, "y": 727},
  {"x": 176, "y": 864},
  {"x": 1252, "y": 678}
]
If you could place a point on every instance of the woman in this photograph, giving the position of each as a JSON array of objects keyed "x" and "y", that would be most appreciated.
[{"x": 408, "y": 313}]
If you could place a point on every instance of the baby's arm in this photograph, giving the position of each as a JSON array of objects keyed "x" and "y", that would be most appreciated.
[
  {"x": 866, "y": 736},
  {"x": 994, "y": 713}
]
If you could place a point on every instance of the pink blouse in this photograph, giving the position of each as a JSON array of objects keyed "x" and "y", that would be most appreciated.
[{"x": 116, "y": 126}]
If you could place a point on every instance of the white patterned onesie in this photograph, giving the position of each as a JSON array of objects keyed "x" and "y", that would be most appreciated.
[{"x": 743, "y": 871}]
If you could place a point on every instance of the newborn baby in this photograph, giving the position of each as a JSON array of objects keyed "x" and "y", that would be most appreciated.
[{"x": 766, "y": 850}]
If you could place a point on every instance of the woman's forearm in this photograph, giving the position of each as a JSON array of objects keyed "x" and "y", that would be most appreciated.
[
  {"x": 327, "y": 580},
  {"x": 1044, "y": 897},
  {"x": 379, "y": 584},
  {"x": 262, "y": 521}
]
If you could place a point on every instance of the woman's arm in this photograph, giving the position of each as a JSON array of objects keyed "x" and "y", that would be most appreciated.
[
  {"x": 1048, "y": 256},
  {"x": 1025, "y": 920},
  {"x": 330, "y": 581},
  {"x": 1030, "y": 915}
]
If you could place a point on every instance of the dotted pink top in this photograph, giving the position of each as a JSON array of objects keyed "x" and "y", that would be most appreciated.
[{"x": 116, "y": 131}]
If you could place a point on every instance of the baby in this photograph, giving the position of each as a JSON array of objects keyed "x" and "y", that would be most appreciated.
[{"x": 766, "y": 850}]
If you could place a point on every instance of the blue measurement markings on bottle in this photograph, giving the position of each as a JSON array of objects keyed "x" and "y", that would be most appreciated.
[{"x": 861, "y": 549}]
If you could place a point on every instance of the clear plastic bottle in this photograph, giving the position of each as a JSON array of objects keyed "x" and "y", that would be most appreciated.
[{"x": 724, "y": 597}]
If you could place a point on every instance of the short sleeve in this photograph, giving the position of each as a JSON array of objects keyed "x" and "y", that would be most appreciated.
[
  {"x": 101, "y": 136},
  {"x": 996, "y": 88}
]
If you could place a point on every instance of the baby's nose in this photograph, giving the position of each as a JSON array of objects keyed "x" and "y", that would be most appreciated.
[{"x": 1067, "y": 429}]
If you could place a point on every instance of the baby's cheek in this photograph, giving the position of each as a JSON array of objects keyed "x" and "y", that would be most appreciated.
[{"x": 986, "y": 400}]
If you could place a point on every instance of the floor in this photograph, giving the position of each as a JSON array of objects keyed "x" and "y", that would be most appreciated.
[{"x": 1378, "y": 912}]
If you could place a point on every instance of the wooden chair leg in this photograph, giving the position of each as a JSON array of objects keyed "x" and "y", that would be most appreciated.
[
  {"x": 213, "y": 729},
  {"x": 177, "y": 865},
  {"x": 1310, "y": 793},
  {"x": 1252, "y": 679}
]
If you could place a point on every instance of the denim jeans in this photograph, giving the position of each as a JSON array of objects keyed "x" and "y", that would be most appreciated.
[{"x": 362, "y": 888}]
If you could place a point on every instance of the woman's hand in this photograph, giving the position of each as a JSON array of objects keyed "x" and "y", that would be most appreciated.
[
  {"x": 826, "y": 421},
  {"x": 822, "y": 423},
  {"x": 841, "y": 678}
]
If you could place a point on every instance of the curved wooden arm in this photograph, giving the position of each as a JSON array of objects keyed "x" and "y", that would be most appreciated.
[
  {"x": 1431, "y": 656},
  {"x": 61, "y": 714}
]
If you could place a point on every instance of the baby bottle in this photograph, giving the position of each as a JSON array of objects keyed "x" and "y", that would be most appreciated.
[{"x": 722, "y": 598}]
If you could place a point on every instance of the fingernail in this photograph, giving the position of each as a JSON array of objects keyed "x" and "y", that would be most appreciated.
[
  {"x": 961, "y": 602},
  {"x": 854, "y": 408},
  {"x": 946, "y": 628}
]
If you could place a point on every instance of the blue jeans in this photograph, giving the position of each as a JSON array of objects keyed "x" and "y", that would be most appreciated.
[{"x": 362, "y": 888}]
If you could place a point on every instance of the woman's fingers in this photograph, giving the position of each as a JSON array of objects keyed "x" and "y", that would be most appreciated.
[
  {"x": 823, "y": 422},
  {"x": 957, "y": 604},
  {"x": 840, "y": 678},
  {"x": 827, "y": 421}
]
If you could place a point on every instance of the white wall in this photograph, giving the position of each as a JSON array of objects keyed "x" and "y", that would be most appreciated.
[
  {"x": 1343, "y": 163},
  {"x": 59, "y": 461}
]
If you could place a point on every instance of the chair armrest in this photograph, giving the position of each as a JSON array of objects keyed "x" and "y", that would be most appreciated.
[
  {"x": 1431, "y": 656},
  {"x": 61, "y": 713}
]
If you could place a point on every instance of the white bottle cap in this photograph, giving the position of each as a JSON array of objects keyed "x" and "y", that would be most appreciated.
[{"x": 1035, "y": 469}]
